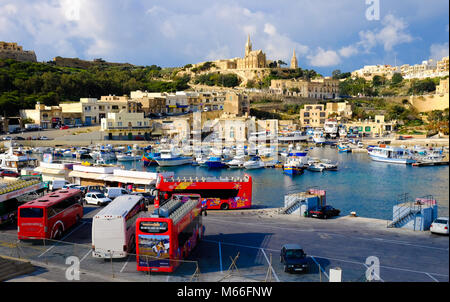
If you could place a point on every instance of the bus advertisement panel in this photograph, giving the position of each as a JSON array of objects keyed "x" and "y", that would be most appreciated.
[
  {"x": 169, "y": 235},
  {"x": 216, "y": 194}
]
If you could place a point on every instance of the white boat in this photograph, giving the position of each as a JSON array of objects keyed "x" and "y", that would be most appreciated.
[
  {"x": 170, "y": 158},
  {"x": 390, "y": 154},
  {"x": 127, "y": 157},
  {"x": 17, "y": 160},
  {"x": 329, "y": 165},
  {"x": 318, "y": 137},
  {"x": 104, "y": 155},
  {"x": 237, "y": 162},
  {"x": 331, "y": 128},
  {"x": 316, "y": 167},
  {"x": 254, "y": 163}
]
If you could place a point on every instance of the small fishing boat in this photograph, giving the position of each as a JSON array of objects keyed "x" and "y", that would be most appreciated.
[
  {"x": 237, "y": 162},
  {"x": 389, "y": 154},
  {"x": 316, "y": 167},
  {"x": 170, "y": 158}
]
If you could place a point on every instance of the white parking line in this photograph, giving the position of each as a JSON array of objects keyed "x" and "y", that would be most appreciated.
[
  {"x": 62, "y": 239},
  {"x": 84, "y": 257},
  {"x": 436, "y": 280},
  {"x": 271, "y": 267},
  {"x": 321, "y": 268},
  {"x": 125, "y": 264}
]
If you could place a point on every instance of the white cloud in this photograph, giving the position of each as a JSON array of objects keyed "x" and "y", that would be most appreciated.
[
  {"x": 392, "y": 34},
  {"x": 348, "y": 51},
  {"x": 438, "y": 51},
  {"x": 324, "y": 58}
]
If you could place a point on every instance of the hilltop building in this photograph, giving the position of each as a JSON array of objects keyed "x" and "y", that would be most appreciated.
[{"x": 16, "y": 52}]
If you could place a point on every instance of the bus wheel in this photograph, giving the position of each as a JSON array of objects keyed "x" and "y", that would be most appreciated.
[
  {"x": 58, "y": 234},
  {"x": 224, "y": 206}
]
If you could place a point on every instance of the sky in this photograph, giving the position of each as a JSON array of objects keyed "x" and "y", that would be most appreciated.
[{"x": 326, "y": 34}]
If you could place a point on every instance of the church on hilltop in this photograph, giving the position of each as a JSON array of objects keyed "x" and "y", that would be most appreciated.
[{"x": 253, "y": 59}]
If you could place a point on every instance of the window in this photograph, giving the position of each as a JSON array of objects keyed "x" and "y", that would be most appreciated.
[
  {"x": 119, "y": 124},
  {"x": 31, "y": 213}
]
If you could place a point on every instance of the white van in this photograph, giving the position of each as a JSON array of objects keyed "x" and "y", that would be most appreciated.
[
  {"x": 57, "y": 184},
  {"x": 113, "y": 192},
  {"x": 113, "y": 228}
]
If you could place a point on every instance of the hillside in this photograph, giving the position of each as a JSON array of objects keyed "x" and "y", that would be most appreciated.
[{"x": 23, "y": 84}]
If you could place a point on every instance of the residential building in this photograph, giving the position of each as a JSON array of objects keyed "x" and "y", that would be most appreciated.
[
  {"x": 340, "y": 110},
  {"x": 442, "y": 88},
  {"x": 236, "y": 104},
  {"x": 377, "y": 127},
  {"x": 45, "y": 116},
  {"x": 313, "y": 115},
  {"x": 151, "y": 103},
  {"x": 126, "y": 125}
]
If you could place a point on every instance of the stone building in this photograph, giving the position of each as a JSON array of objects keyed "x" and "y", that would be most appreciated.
[
  {"x": 294, "y": 62},
  {"x": 236, "y": 104},
  {"x": 313, "y": 115},
  {"x": 16, "y": 52},
  {"x": 324, "y": 88},
  {"x": 46, "y": 117}
]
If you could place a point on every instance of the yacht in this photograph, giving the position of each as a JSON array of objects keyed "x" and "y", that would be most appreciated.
[
  {"x": 390, "y": 154},
  {"x": 316, "y": 167},
  {"x": 254, "y": 163},
  {"x": 331, "y": 128},
  {"x": 318, "y": 137},
  {"x": 237, "y": 162},
  {"x": 171, "y": 158},
  {"x": 102, "y": 154},
  {"x": 17, "y": 160}
]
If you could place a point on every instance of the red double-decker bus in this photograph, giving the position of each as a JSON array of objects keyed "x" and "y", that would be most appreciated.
[
  {"x": 49, "y": 216},
  {"x": 217, "y": 194},
  {"x": 168, "y": 236}
]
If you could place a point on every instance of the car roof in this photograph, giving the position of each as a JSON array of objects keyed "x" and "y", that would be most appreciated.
[{"x": 292, "y": 246}]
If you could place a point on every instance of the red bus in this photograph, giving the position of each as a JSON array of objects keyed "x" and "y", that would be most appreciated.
[
  {"x": 50, "y": 215},
  {"x": 217, "y": 194},
  {"x": 170, "y": 234}
]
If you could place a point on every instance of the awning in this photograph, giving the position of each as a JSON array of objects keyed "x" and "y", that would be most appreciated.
[
  {"x": 130, "y": 180},
  {"x": 87, "y": 175},
  {"x": 49, "y": 171}
]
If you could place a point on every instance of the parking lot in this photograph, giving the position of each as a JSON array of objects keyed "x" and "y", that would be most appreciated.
[{"x": 245, "y": 246}]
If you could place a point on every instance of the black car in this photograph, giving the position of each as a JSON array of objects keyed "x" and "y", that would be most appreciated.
[
  {"x": 325, "y": 212},
  {"x": 294, "y": 258}
]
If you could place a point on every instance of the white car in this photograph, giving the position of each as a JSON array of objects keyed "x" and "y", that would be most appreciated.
[
  {"x": 70, "y": 186},
  {"x": 440, "y": 226},
  {"x": 96, "y": 198}
]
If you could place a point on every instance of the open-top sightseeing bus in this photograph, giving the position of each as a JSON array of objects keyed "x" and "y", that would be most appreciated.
[
  {"x": 49, "y": 216},
  {"x": 170, "y": 234},
  {"x": 216, "y": 193}
]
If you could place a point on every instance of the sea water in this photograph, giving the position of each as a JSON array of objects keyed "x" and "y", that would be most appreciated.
[{"x": 369, "y": 188}]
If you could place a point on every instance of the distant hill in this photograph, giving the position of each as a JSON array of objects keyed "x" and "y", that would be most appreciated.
[{"x": 83, "y": 64}]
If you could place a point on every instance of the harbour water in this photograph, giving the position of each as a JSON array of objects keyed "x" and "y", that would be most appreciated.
[{"x": 367, "y": 187}]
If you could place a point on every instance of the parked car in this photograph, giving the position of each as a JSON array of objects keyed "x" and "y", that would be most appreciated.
[
  {"x": 44, "y": 138},
  {"x": 19, "y": 138},
  {"x": 440, "y": 226},
  {"x": 81, "y": 188},
  {"x": 7, "y": 138},
  {"x": 69, "y": 186},
  {"x": 148, "y": 197},
  {"x": 96, "y": 198},
  {"x": 325, "y": 212},
  {"x": 293, "y": 258},
  {"x": 64, "y": 127},
  {"x": 113, "y": 192},
  {"x": 100, "y": 189},
  {"x": 8, "y": 173}
]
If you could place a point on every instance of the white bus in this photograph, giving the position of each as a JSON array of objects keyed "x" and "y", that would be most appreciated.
[{"x": 113, "y": 228}]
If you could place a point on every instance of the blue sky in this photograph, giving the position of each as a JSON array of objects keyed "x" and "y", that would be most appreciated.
[{"x": 326, "y": 34}]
